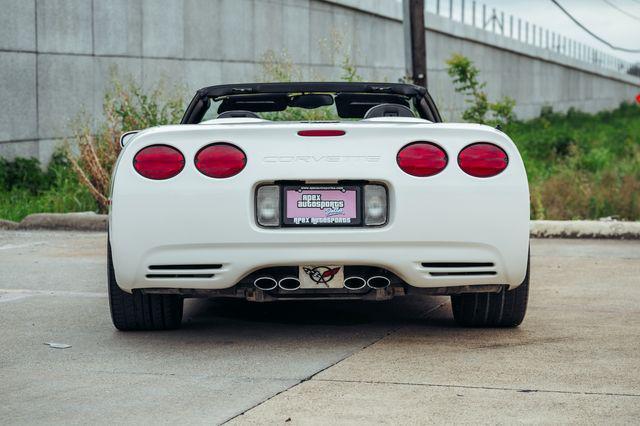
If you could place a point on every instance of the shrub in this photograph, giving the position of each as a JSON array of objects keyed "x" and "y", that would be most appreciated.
[
  {"x": 22, "y": 173},
  {"x": 126, "y": 107},
  {"x": 25, "y": 188},
  {"x": 465, "y": 80}
]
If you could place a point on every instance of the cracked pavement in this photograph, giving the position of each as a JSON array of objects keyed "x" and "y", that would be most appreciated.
[{"x": 574, "y": 360}]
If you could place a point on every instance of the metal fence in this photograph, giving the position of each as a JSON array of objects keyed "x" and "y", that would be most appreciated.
[{"x": 489, "y": 19}]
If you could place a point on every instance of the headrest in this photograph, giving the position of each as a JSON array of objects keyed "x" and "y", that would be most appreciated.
[
  {"x": 389, "y": 110},
  {"x": 238, "y": 114}
]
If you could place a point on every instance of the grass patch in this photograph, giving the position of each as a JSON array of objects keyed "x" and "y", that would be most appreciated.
[
  {"x": 25, "y": 188},
  {"x": 582, "y": 166}
]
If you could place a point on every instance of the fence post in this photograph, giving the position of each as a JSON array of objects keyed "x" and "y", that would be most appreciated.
[
  {"x": 450, "y": 9},
  {"x": 519, "y": 29},
  {"x": 462, "y": 12},
  {"x": 559, "y": 41},
  {"x": 533, "y": 34},
  {"x": 511, "y": 26},
  {"x": 526, "y": 32},
  {"x": 562, "y": 40},
  {"x": 438, "y": 7},
  {"x": 540, "y": 36},
  {"x": 579, "y": 51},
  {"x": 493, "y": 20},
  {"x": 484, "y": 16},
  {"x": 546, "y": 38},
  {"x": 570, "y": 50},
  {"x": 473, "y": 13},
  {"x": 502, "y": 22}
]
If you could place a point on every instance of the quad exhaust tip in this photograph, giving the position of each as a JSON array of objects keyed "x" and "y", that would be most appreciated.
[
  {"x": 378, "y": 282},
  {"x": 292, "y": 283},
  {"x": 355, "y": 283},
  {"x": 265, "y": 283},
  {"x": 289, "y": 283}
]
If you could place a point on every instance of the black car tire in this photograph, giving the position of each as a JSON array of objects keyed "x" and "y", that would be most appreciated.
[
  {"x": 137, "y": 311},
  {"x": 504, "y": 309}
]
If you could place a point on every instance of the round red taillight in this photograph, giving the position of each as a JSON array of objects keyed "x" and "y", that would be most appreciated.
[
  {"x": 220, "y": 160},
  {"x": 158, "y": 162},
  {"x": 422, "y": 159},
  {"x": 483, "y": 160}
]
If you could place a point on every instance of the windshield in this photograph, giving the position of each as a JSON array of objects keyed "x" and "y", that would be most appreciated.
[
  {"x": 310, "y": 101},
  {"x": 308, "y": 106}
]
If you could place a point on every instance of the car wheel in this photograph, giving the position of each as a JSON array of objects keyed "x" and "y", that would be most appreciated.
[
  {"x": 504, "y": 309},
  {"x": 137, "y": 311}
]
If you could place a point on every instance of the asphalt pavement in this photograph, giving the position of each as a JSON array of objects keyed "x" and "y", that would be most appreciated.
[{"x": 575, "y": 359}]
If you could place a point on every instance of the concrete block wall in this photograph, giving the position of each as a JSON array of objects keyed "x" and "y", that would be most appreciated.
[{"x": 56, "y": 56}]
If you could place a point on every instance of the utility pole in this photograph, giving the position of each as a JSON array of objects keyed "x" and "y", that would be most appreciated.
[{"x": 415, "y": 51}]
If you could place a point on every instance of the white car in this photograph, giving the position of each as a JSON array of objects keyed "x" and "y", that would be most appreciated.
[{"x": 385, "y": 200}]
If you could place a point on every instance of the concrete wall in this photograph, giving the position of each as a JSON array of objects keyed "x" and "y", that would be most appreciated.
[{"x": 56, "y": 56}]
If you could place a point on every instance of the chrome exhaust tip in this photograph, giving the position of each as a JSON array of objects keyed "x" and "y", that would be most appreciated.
[
  {"x": 265, "y": 283},
  {"x": 289, "y": 283},
  {"x": 355, "y": 283},
  {"x": 378, "y": 282}
]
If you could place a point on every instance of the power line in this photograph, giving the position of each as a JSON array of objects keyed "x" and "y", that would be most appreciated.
[
  {"x": 630, "y": 15},
  {"x": 597, "y": 37}
]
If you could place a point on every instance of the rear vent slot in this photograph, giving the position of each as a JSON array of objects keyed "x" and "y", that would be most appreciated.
[
  {"x": 464, "y": 273},
  {"x": 458, "y": 265},
  {"x": 459, "y": 269},
  {"x": 160, "y": 276},
  {"x": 184, "y": 267}
]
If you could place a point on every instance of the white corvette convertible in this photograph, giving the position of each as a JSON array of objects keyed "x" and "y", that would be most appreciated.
[{"x": 385, "y": 200}]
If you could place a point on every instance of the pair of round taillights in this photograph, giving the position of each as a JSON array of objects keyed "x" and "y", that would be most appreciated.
[
  {"x": 218, "y": 160},
  {"x": 480, "y": 159}
]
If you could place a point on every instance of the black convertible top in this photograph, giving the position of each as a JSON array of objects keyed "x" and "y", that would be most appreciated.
[{"x": 418, "y": 95}]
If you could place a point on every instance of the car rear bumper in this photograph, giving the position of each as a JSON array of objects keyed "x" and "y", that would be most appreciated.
[{"x": 419, "y": 264}]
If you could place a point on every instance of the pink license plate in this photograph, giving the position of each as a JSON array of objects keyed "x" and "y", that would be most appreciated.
[{"x": 322, "y": 205}]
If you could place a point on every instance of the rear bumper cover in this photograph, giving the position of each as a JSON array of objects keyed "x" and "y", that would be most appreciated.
[{"x": 408, "y": 260}]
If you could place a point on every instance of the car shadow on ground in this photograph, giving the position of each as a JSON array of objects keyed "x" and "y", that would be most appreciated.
[{"x": 201, "y": 313}]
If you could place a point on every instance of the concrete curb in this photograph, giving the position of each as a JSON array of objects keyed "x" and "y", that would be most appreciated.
[
  {"x": 585, "y": 229},
  {"x": 83, "y": 221},
  {"x": 90, "y": 221},
  {"x": 8, "y": 224}
]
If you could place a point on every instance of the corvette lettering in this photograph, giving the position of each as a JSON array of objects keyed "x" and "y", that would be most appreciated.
[{"x": 321, "y": 159}]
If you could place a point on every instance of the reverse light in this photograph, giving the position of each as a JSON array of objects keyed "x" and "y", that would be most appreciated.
[
  {"x": 220, "y": 160},
  {"x": 375, "y": 205},
  {"x": 422, "y": 159},
  {"x": 158, "y": 162},
  {"x": 483, "y": 160},
  {"x": 268, "y": 205}
]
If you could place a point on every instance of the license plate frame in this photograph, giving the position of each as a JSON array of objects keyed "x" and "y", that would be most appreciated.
[{"x": 351, "y": 193}]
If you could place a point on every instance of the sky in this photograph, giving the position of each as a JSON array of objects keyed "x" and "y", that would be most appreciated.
[{"x": 617, "y": 21}]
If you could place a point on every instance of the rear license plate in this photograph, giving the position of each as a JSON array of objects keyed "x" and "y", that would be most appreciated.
[
  {"x": 322, "y": 206},
  {"x": 329, "y": 276}
]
